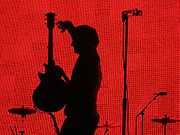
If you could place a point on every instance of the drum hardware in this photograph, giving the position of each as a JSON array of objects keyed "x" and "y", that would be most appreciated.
[
  {"x": 23, "y": 112},
  {"x": 48, "y": 95},
  {"x": 164, "y": 121},
  {"x": 107, "y": 127},
  {"x": 142, "y": 111}
]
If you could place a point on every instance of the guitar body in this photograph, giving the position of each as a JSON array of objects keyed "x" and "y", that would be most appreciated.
[{"x": 48, "y": 95}]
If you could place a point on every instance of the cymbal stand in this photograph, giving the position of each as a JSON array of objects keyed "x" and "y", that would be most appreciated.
[
  {"x": 165, "y": 124},
  {"x": 106, "y": 132},
  {"x": 14, "y": 131},
  {"x": 164, "y": 121},
  {"x": 55, "y": 123},
  {"x": 21, "y": 132}
]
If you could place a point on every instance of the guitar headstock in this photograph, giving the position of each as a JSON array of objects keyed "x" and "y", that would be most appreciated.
[{"x": 50, "y": 20}]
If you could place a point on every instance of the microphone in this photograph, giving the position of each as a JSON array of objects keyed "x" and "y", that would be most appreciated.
[
  {"x": 137, "y": 12},
  {"x": 133, "y": 12},
  {"x": 161, "y": 93}
]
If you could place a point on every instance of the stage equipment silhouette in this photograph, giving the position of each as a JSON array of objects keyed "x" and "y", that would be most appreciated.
[
  {"x": 82, "y": 90},
  {"x": 164, "y": 121},
  {"x": 49, "y": 94},
  {"x": 142, "y": 111},
  {"x": 23, "y": 112},
  {"x": 77, "y": 95},
  {"x": 125, "y": 15}
]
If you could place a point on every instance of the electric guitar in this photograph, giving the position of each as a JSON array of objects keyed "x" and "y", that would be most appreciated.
[{"x": 48, "y": 96}]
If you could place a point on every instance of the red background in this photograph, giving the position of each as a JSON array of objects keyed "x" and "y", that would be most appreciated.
[{"x": 152, "y": 63}]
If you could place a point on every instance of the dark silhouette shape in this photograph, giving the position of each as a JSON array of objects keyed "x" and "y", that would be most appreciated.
[
  {"x": 82, "y": 89},
  {"x": 48, "y": 95},
  {"x": 164, "y": 121},
  {"x": 22, "y": 111}
]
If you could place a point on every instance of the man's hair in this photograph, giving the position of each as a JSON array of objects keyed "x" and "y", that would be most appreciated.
[{"x": 87, "y": 35}]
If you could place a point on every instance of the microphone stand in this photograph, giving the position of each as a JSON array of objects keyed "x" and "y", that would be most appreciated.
[
  {"x": 142, "y": 115},
  {"x": 125, "y": 56},
  {"x": 125, "y": 15}
]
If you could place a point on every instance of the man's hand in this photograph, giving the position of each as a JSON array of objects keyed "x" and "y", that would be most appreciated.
[
  {"x": 65, "y": 25},
  {"x": 60, "y": 72},
  {"x": 55, "y": 71}
]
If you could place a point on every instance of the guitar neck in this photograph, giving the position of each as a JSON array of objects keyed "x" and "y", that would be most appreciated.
[
  {"x": 50, "y": 47},
  {"x": 50, "y": 25}
]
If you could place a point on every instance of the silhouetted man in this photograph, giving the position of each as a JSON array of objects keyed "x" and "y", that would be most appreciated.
[{"x": 81, "y": 97}]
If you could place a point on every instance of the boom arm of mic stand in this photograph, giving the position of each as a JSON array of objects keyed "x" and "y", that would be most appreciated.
[
  {"x": 142, "y": 113},
  {"x": 142, "y": 110}
]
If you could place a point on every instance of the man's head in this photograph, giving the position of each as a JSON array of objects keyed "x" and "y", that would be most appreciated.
[{"x": 84, "y": 38}]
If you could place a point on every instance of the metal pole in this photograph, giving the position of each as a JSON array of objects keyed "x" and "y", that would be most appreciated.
[
  {"x": 136, "y": 125},
  {"x": 165, "y": 128},
  {"x": 125, "y": 15},
  {"x": 142, "y": 116},
  {"x": 125, "y": 56}
]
